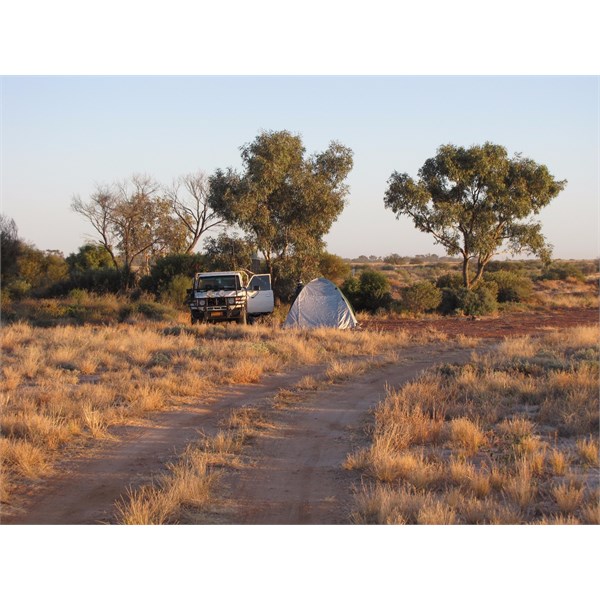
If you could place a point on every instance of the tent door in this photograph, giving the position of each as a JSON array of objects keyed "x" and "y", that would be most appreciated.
[{"x": 260, "y": 294}]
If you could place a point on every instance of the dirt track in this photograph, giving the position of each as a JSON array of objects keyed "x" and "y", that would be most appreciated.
[
  {"x": 295, "y": 474},
  {"x": 297, "y": 477}
]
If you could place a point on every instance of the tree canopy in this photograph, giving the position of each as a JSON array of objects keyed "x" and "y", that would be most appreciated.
[
  {"x": 189, "y": 200},
  {"x": 476, "y": 200},
  {"x": 283, "y": 201},
  {"x": 134, "y": 222}
]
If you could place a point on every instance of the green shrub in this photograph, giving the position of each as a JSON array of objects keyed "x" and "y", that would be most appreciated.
[
  {"x": 89, "y": 257},
  {"x": 170, "y": 266},
  {"x": 100, "y": 281},
  {"x": 512, "y": 287},
  {"x": 480, "y": 300},
  {"x": 175, "y": 292},
  {"x": 371, "y": 291},
  {"x": 79, "y": 296},
  {"x": 449, "y": 280},
  {"x": 474, "y": 302},
  {"x": 562, "y": 272},
  {"x": 333, "y": 267},
  {"x": 17, "y": 289},
  {"x": 421, "y": 297}
]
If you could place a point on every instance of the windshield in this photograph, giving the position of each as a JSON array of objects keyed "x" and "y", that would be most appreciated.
[{"x": 223, "y": 282}]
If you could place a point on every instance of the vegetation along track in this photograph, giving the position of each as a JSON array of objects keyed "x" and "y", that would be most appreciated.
[
  {"x": 299, "y": 469},
  {"x": 295, "y": 475}
]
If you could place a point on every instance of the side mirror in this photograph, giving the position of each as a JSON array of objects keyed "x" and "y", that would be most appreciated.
[{"x": 256, "y": 288}]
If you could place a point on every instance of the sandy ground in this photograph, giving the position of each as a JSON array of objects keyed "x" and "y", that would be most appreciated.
[{"x": 295, "y": 475}]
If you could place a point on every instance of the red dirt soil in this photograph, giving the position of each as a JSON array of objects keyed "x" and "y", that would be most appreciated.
[{"x": 508, "y": 324}]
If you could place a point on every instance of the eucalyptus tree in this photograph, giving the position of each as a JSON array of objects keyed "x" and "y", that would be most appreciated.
[
  {"x": 475, "y": 201},
  {"x": 284, "y": 201}
]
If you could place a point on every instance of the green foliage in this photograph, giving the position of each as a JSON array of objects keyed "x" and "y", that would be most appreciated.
[
  {"x": 228, "y": 253},
  {"x": 175, "y": 292},
  {"x": 33, "y": 270},
  {"x": 421, "y": 297},
  {"x": 371, "y": 291},
  {"x": 10, "y": 248},
  {"x": 16, "y": 289},
  {"x": 562, "y": 272},
  {"x": 474, "y": 200},
  {"x": 449, "y": 280},
  {"x": 283, "y": 201},
  {"x": 101, "y": 281},
  {"x": 89, "y": 257},
  {"x": 396, "y": 259},
  {"x": 333, "y": 267},
  {"x": 477, "y": 301},
  {"x": 512, "y": 287},
  {"x": 166, "y": 268}
]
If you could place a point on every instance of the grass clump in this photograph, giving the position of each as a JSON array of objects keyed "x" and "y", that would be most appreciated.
[{"x": 510, "y": 438}]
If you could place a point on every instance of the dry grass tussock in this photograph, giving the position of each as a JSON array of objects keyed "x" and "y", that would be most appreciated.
[
  {"x": 510, "y": 438},
  {"x": 187, "y": 484},
  {"x": 67, "y": 383},
  {"x": 185, "y": 491}
]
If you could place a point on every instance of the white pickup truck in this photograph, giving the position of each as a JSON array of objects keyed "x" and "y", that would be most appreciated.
[{"x": 222, "y": 296}]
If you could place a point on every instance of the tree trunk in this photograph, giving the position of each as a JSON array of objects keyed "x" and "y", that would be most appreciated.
[
  {"x": 465, "y": 273},
  {"x": 480, "y": 267}
]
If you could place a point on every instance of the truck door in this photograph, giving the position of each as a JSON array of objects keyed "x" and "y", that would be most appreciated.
[{"x": 260, "y": 295}]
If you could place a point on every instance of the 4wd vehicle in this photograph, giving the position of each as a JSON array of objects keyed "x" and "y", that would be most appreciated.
[{"x": 222, "y": 296}]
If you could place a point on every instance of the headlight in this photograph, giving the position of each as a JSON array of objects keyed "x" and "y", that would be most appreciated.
[
  {"x": 201, "y": 302},
  {"x": 231, "y": 300}
]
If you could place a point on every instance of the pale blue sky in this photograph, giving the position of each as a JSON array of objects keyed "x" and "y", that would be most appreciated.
[{"x": 61, "y": 135}]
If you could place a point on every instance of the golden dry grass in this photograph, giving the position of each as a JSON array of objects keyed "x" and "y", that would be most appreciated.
[
  {"x": 188, "y": 483},
  {"x": 588, "y": 451},
  {"x": 67, "y": 383},
  {"x": 186, "y": 489},
  {"x": 466, "y": 435},
  {"x": 509, "y": 437},
  {"x": 568, "y": 497}
]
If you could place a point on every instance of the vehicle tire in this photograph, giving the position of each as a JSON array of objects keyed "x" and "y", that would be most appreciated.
[
  {"x": 243, "y": 318},
  {"x": 194, "y": 320}
]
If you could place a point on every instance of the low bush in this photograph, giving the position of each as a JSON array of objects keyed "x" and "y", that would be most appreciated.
[
  {"x": 370, "y": 292},
  {"x": 474, "y": 302},
  {"x": 165, "y": 269},
  {"x": 421, "y": 297},
  {"x": 562, "y": 272},
  {"x": 175, "y": 292},
  {"x": 512, "y": 287},
  {"x": 449, "y": 280}
]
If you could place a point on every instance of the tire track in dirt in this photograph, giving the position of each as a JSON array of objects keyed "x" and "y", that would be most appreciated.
[
  {"x": 85, "y": 488},
  {"x": 295, "y": 475}
]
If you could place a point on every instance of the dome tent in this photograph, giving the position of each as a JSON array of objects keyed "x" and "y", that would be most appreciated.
[{"x": 321, "y": 304}]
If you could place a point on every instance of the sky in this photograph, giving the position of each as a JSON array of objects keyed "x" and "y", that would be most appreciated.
[{"x": 63, "y": 135}]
